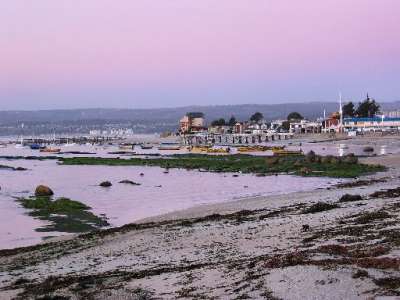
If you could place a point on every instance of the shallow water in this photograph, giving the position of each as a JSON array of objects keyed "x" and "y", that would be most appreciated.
[{"x": 158, "y": 193}]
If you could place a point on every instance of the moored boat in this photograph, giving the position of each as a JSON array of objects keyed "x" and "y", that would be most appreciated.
[
  {"x": 199, "y": 149},
  {"x": 50, "y": 150},
  {"x": 126, "y": 146},
  {"x": 169, "y": 146},
  {"x": 146, "y": 147},
  {"x": 287, "y": 152},
  {"x": 218, "y": 150},
  {"x": 36, "y": 146}
]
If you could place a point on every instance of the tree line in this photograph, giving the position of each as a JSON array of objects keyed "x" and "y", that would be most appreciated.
[{"x": 365, "y": 109}]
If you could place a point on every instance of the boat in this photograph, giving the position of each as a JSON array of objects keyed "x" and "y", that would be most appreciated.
[
  {"x": 252, "y": 149},
  {"x": 218, "y": 150},
  {"x": 50, "y": 150},
  {"x": 36, "y": 146},
  {"x": 126, "y": 146},
  {"x": 169, "y": 146},
  {"x": 199, "y": 149},
  {"x": 275, "y": 148},
  {"x": 146, "y": 147},
  {"x": 283, "y": 152}
]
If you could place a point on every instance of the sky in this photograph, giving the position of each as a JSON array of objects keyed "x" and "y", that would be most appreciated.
[{"x": 147, "y": 53}]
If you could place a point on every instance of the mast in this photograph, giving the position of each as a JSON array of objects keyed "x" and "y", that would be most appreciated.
[{"x": 340, "y": 112}]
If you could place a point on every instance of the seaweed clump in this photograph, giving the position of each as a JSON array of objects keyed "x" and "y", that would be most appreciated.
[
  {"x": 64, "y": 215},
  {"x": 320, "y": 207}
]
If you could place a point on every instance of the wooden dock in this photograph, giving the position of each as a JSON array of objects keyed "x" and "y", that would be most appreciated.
[{"x": 232, "y": 139}]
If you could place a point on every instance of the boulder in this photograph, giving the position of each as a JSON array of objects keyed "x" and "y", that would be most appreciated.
[
  {"x": 350, "y": 159},
  {"x": 311, "y": 156},
  {"x": 305, "y": 170},
  {"x": 43, "y": 191},
  {"x": 368, "y": 149},
  {"x": 326, "y": 159},
  {"x": 105, "y": 184}
]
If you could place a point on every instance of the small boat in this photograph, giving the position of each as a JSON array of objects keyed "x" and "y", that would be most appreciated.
[
  {"x": 35, "y": 146},
  {"x": 169, "y": 146},
  {"x": 287, "y": 152},
  {"x": 218, "y": 150},
  {"x": 253, "y": 149},
  {"x": 199, "y": 149},
  {"x": 126, "y": 146},
  {"x": 275, "y": 148},
  {"x": 146, "y": 147},
  {"x": 50, "y": 150}
]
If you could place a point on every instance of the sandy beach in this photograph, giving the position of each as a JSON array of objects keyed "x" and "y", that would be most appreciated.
[{"x": 305, "y": 245}]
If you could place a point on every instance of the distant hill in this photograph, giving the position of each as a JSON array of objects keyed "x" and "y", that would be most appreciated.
[{"x": 152, "y": 120}]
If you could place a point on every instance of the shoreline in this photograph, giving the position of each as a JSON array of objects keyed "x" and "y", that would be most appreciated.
[{"x": 279, "y": 247}]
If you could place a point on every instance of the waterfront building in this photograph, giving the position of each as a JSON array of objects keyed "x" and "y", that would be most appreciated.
[
  {"x": 305, "y": 126},
  {"x": 373, "y": 124},
  {"x": 192, "y": 122}
]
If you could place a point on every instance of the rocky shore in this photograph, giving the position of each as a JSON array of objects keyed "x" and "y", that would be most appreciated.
[{"x": 322, "y": 244}]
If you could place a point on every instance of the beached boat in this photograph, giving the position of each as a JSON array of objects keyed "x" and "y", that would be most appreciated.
[
  {"x": 50, "y": 150},
  {"x": 287, "y": 152},
  {"x": 169, "y": 146},
  {"x": 199, "y": 149},
  {"x": 126, "y": 146},
  {"x": 146, "y": 147},
  {"x": 253, "y": 149},
  {"x": 36, "y": 146},
  {"x": 218, "y": 150}
]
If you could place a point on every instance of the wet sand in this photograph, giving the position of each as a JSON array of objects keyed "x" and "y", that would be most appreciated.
[{"x": 276, "y": 247}]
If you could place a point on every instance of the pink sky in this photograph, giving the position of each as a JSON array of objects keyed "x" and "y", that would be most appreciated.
[{"x": 149, "y": 53}]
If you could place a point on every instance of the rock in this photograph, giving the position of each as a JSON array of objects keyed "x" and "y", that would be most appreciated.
[
  {"x": 335, "y": 160},
  {"x": 305, "y": 170},
  {"x": 272, "y": 160},
  {"x": 350, "y": 159},
  {"x": 350, "y": 198},
  {"x": 326, "y": 159},
  {"x": 141, "y": 174},
  {"x": 368, "y": 149},
  {"x": 129, "y": 182},
  {"x": 306, "y": 227},
  {"x": 105, "y": 184},
  {"x": 43, "y": 191},
  {"x": 311, "y": 157},
  {"x": 298, "y": 163},
  {"x": 20, "y": 169}
]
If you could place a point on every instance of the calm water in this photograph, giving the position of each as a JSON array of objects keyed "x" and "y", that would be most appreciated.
[{"x": 158, "y": 193}]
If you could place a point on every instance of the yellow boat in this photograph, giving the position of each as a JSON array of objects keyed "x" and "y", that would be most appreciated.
[
  {"x": 51, "y": 150},
  {"x": 276, "y": 148},
  {"x": 199, "y": 149},
  {"x": 252, "y": 149},
  {"x": 218, "y": 150},
  {"x": 287, "y": 152}
]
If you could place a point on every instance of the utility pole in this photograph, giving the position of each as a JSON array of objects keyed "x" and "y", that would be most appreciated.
[{"x": 340, "y": 112}]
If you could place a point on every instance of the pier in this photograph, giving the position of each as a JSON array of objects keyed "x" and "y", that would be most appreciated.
[
  {"x": 66, "y": 140},
  {"x": 232, "y": 139}
]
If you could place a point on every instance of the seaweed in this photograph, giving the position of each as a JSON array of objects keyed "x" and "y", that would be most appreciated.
[{"x": 64, "y": 215}]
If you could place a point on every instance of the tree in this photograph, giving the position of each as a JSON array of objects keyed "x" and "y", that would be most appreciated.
[
  {"x": 257, "y": 117},
  {"x": 219, "y": 122},
  {"x": 294, "y": 116},
  {"x": 286, "y": 125},
  {"x": 348, "y": 110},
  {"x": 232, "y": 121},
  {"x": 367, "y": 108}
]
